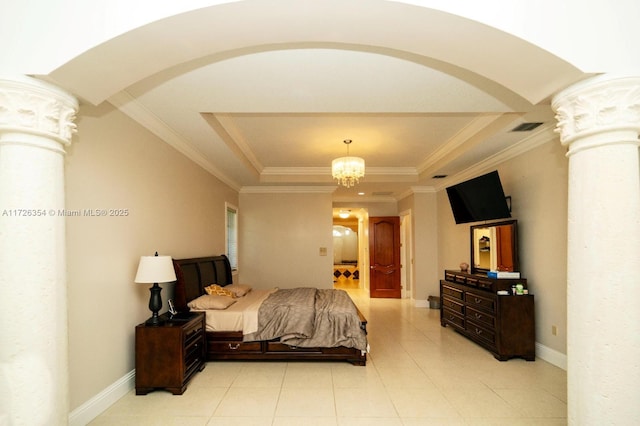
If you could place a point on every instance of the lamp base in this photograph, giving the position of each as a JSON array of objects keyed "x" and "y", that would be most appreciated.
[
  {"x": 155, "y": 304},
  {"x": 154, "y": 321}
]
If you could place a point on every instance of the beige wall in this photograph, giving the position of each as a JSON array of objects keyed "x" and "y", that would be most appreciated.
[
  {"x": 537, "y": 183},
  {"x": 174, "y": 207},
  {"x": 424, "y": 217},
  {"x": 280, "y": 239}
]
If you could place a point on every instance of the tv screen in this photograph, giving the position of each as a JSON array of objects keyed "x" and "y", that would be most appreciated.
[{"x": 478, "y": 199}]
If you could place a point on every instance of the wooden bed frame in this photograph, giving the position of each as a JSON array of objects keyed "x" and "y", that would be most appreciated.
[{"x": 193, "y": 275}]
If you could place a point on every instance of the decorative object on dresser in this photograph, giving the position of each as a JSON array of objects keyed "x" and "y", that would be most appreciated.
[
  {"x": 168, "y": 355},
  {"x": 486, "y": 311},
  {"x": 155, "y": 269},
  {"x": 196, "y": 274}
]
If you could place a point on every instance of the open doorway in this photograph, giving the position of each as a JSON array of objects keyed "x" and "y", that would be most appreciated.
[
  {"x": 350, "y": 248},
  {"x": 350, "y": 273}
]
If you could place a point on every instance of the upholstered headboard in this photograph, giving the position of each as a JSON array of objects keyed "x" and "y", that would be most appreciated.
[{"x": 193, "y": 275}]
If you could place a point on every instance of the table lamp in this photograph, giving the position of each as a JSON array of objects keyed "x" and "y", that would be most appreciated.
[{"x": 155, "y": 269}]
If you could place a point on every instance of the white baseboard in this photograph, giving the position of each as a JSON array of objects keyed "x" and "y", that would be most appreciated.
[
  {"x": 96, "y": 405},
  {"x": 551, "y": 356}
]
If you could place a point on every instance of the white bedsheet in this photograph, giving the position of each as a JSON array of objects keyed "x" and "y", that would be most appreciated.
[{"x": 241, "y": 316}]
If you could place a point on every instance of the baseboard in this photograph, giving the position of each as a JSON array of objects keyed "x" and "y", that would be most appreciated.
[
  {"x": 96, "y": 405},
  {"x": 551, "y": 356}
]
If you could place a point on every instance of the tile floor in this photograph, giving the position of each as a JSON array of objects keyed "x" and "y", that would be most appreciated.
[{"x": 417, "y": 373}]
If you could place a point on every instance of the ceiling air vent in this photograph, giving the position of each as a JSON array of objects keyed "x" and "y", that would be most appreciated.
[
  {"x": 382, "y": 193},
  {"x": 525, "y": 127},
  {"x": 439, "y": 176}
]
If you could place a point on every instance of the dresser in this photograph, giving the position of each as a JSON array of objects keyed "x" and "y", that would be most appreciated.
[
  {"x": 168, "y": 355},
  {"x": 503, "y": 324}
]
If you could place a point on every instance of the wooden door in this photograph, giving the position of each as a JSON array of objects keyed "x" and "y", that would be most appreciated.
[
  {"x": 384, "y": 255},
  {"x": 504, "y": 243}
]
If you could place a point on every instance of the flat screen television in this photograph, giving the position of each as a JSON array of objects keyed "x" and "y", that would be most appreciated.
[{"x": 477, "y": 199}]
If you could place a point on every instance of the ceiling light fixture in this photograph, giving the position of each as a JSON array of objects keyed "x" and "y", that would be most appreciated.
[
  {"x": 344, "y": 214},
  {"x": 347, "y": 170}
]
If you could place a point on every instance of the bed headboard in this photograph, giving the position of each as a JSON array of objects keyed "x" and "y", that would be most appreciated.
[{"x": 193, "y": 275}]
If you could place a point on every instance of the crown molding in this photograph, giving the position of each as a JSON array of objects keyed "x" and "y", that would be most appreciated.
[
  {"x": 288, "y": 189},
  {"x": 127, "y": 104},
  {"x": 544, "y": 135}
]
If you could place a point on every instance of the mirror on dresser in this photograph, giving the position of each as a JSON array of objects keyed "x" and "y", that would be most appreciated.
[{"x": 494, "y": 246}]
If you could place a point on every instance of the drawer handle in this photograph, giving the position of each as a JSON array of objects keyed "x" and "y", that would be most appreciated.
[
  {"x": 475, "y": 299},
  {"x": 234, "y": 347},
  {"x": 478, "y": 331},
  {"x": 478, "y": 316}
]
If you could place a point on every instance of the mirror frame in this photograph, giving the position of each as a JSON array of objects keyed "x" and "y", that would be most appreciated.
[{"x": 514, "y": 244}]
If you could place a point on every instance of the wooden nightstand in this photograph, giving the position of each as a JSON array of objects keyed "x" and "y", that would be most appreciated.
[{"x": 168, "y": 355}]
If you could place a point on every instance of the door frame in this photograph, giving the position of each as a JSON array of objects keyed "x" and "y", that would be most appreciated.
[{"x": 406, "y": 254}]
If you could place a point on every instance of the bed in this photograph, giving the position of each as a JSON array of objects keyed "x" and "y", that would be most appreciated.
[{"x": 225, "y": 334}]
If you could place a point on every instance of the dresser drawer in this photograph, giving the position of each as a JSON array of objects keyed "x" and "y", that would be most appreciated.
[
  {"x": 452, "y": 318},
  {"x": 453, "y": 305},
  {"x": 486, "y": 285},
  {"x": 452, "y": 292},
  {"x": 481, "y": 318},
  {"x": 478, "y": 332},
  {"x": 478, "y": 301}
]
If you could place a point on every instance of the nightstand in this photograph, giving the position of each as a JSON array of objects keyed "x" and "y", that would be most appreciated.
[{"x": 168, "y": 355}]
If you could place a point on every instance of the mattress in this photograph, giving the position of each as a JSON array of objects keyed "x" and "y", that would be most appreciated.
[{"x": 241, "y": 316}]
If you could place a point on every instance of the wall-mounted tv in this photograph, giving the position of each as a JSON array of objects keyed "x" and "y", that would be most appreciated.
[{"x": 478, "y": 199}]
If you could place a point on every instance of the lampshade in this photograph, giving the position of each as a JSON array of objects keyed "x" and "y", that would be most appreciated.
[
  {"x": 347, "y": 170},
  {"x": 155, "y": 269}
]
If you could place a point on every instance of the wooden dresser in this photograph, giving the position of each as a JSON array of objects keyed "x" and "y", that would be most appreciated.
[
  {"x": 168, "y": 355},
  {"x": 503, "y": 324}
]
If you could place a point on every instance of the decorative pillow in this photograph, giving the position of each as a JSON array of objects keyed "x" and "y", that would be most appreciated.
[
  {"x": 238, "y": 290},
  {"x": 217, "y": 290},
  {"x": 211, "y": 301}
]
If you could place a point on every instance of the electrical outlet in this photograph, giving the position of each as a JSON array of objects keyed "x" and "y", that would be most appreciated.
[
  {"x": 554, "y": 330},
  {"x": 323, "y": 251}
]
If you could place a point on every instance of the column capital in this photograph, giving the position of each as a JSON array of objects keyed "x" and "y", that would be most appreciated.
[
  {"x": 598, "y": 106},
  {"x": 32, "y": 106}
]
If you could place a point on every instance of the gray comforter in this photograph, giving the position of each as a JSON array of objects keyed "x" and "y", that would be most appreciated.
[{"x": 310, "y": 317}]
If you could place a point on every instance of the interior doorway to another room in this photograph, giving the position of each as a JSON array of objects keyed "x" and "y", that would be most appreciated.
[
  {"x": 350, "y": 248},
  {"x": 356, "y": 220}
]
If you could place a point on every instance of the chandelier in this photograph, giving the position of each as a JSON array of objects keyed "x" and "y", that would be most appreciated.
[{"x": 347, "y": 170}]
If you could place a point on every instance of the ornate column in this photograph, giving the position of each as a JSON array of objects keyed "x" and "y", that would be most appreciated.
[
  {"x": 599, "y": 123},
  {"x": 36, "y": 123}
]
